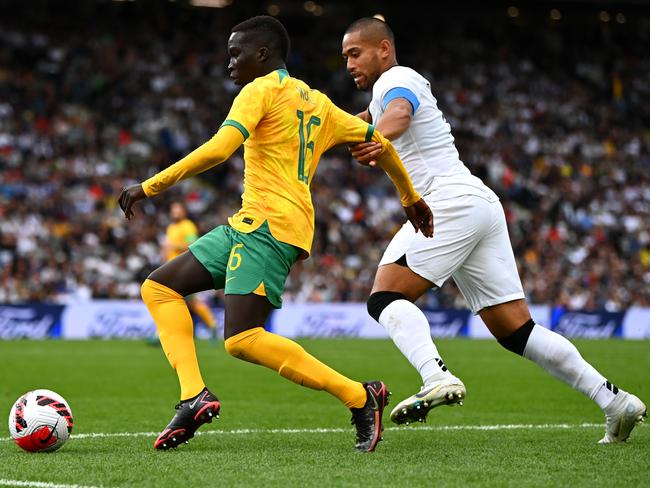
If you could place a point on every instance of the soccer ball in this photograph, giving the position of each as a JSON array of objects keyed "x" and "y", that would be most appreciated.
[{"x": 40, "y": 420}]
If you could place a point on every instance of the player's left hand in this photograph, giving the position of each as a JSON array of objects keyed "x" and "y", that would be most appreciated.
[
  {"x": 129, "y": 196},
  {"x": 365, "y": 152},
  {"x": 420, "y": 216}
]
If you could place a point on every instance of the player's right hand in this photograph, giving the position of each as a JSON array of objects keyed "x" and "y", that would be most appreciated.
[
  {"x": 365, "y": 152},
  {"x": 128, "y": 197},
  {"x": 420, "y": 216}
]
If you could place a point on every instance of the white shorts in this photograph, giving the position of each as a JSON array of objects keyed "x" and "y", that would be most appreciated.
[{"x": 470, "y": 243}]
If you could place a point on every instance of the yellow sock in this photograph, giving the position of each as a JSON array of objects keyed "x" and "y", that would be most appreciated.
[
  {"x": 176, "y": 332},
  {"x": 203, "y": 311},
  {"x": 294, "y": 363}
]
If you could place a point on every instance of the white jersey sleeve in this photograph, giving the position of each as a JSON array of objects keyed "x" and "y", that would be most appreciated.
[{"x": 427, "y": 147}]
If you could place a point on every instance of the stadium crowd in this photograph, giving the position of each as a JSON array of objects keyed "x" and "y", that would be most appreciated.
[{"x": 556, "y": 123}]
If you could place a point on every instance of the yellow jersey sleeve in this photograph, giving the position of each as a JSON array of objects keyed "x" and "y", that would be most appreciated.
[
  {"x": 213, "y": 152},
  {"x": 392, "y": 165},
  {"x": 347, "y": 128},
  {"x": 250, "y": 106}
]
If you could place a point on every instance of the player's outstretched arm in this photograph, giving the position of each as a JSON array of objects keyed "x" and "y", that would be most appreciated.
[
  {"x": 392, "y": 124},
  {"x": 416, "y": 209},
  {"x": 215, "y": 151},
  {"x": 351, "y": 129}
]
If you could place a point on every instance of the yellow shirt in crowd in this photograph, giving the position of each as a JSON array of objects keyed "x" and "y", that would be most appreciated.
[{"x": 179, "y": 236}]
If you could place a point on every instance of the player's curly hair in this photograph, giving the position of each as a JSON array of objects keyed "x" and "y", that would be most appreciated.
[{"x": 269, "y": 31}]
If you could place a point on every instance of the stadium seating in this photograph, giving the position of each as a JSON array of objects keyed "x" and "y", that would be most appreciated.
[{"x": 557, "y": 128}]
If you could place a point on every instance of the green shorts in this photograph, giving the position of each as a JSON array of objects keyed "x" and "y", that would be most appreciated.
[{"x": 242, "y": 263}]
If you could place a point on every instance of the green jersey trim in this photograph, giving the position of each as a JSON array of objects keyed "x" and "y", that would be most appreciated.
[
  {"x": 282, "y": 74},
  {"x": 236, "y": 125},
  {"x": 370, "y": 132}
]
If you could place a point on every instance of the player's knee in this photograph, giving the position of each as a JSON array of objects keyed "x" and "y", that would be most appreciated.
[
  {"x": 234, "y": 347},
  {"x": 378, "y": 301},
  {"x": 516, "y": 342},
  {"x": 153, "y": 292},
  {"x": 147, "y": 291},
  {"x": 240, "y": 345}
]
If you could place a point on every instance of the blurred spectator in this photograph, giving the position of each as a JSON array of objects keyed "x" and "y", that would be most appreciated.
[{"x": 96, "y": 97}]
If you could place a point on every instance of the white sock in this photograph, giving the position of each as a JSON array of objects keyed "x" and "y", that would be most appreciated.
[
  {"x": 409, "y": 329},
  {"x": 605, "y": 394},
  {"x": 560, "y": 358}
]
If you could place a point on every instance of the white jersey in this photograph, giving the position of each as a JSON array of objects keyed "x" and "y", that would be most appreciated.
[{"x": 427, "y": 147}]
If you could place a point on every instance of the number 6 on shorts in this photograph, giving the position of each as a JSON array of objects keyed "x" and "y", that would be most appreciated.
[{"x": 234, "y": 261}]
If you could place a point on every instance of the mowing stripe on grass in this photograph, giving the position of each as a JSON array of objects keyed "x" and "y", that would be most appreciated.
[
  {"x": 415, "y": 427},
  {"x": 39, "y": 484}
]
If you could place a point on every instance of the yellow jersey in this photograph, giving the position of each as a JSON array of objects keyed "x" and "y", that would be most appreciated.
[
  {"x": 286, "y": 126},
  {"x": 179, "y": 236}
]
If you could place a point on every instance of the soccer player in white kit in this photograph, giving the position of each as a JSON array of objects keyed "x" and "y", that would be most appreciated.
[{"x": 470, "y": 244}]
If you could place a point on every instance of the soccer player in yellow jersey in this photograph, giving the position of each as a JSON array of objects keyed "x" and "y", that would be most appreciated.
[
  {"x": 182, "y": 232},
  {"x": 285, "y": 126}
]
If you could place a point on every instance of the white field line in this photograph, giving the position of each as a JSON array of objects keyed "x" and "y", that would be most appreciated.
[
  {"x": 416, "y": 427},
  {"x": 39, "y": 484}
]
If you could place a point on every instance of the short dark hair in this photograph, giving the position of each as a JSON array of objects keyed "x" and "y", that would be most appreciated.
[
  {"x": 269, "y": 31},
  {"x": 374, "y": 27}
]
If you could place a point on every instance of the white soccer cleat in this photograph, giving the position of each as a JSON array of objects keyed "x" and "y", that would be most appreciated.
[
  {"x": 625, "y": 411},
  {"x": 415, "y": 408}
]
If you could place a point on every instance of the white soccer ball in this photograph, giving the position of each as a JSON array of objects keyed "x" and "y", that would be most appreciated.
[{"x": 40, "y": 420}]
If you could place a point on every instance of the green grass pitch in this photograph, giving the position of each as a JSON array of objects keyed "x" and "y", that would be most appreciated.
[{"x": 268, "y": 432}]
